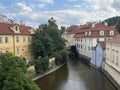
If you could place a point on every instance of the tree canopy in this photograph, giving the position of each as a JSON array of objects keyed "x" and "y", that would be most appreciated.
[
  {"x": 48, "y": 39},
  {"x": 13, "y": 74}
]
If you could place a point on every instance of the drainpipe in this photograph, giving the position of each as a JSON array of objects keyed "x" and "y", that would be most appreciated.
[{"x": 14, "y": 43}]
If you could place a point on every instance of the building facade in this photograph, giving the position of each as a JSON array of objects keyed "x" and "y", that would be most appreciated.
[
  {"x": 112, "y": 62},
  {"x": 17, "y": 39},
  {"x": 98, "y": 54},
  {"x": 89, "y": 35}
]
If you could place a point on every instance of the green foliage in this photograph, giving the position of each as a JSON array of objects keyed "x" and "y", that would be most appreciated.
[
  {"x": 41, "y": 64},
  {"x": 12, "y": 74},
  {"x": 112, "y": 21},
  {"x": 61, "y": 57},
  {"x": 58, "y": 58},
  {"x": 48, "y": 39},
  {"x": 118, "y": 26},
  {"x": 64, "y": 55}
]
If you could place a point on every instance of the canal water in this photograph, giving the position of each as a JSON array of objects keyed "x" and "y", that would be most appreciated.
[{"x": 76, "y": 75}]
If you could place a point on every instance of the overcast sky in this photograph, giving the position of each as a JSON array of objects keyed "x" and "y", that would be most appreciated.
[{"x": 66, "y": 12}]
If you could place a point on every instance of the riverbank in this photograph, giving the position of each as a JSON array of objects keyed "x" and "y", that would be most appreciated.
[{"x": 48, "y": 72}]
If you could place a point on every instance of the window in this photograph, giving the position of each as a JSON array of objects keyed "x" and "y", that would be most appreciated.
[
  {"x": 29, "y": 49},
  {"x": 18, "y": 51},
  {"x": 16, "y": 28},
  {"x": 86, "y": 33},
  {"x": 17, "y": 39},
  {"x": 0, "y": 39},
  {"x": 89, "y": 33},
  {"x": 113, "y": 56},
  {"x": 29, "y": 39},
  {"x": 7, "y": 50},
  {"x": 6, "y": 39},
  {"x": 117, "y": 54},
  {"x": 107, "y": 51},
  {"x": 24, "y": 39},
  {"x": 0, "y": 52},
  {"x": 101, "y": 33},
  {"x": 81, "y": 46},
  {"x": 111, "y": 33}
]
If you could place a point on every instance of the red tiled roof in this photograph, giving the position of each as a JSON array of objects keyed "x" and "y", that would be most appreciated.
[
  {"x": 102, "y": 27},
  {"x": 5, "y": 29},
  {"x": 81, "y": 35},
  {"x": 115, "y": 40},
  {"x": 102, "y": 44}
]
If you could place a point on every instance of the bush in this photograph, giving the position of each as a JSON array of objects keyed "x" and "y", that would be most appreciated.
[
  {"x": 61, "y": 57},
  {"x": 58, "y": 58},
  {"x": 41, "y": 65},
  {"x": 64, "y": 55}
]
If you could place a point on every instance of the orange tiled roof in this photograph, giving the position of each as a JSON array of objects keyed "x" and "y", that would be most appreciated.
[
  {"x": 95, "y": 30},
  {"x": 115, "y": 40},
  {"x": 5, "y": 29}
]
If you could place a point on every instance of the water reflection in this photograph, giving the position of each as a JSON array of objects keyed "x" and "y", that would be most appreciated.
[{"x": 75, "y": 76}]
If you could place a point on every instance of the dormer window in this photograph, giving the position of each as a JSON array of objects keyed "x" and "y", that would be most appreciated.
[
  {"x": 111, "y": 33},
  {"x": 89, "y": 33},
  {"x": 16, "y": 28},
  {"x": 86, "y": 33},
  {"x": 101, "y": 33}
]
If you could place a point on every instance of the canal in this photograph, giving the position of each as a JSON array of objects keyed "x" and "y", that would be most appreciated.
[{"x": 76, "y": 75}]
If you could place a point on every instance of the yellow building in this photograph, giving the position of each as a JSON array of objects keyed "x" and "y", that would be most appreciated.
[
  {"x": 112, "y": 63},
  {"x": 17, "y": 39}
]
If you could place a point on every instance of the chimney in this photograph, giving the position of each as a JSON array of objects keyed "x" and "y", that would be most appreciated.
[
  {"x": 93, "y": 24},
  {"x": 105, "y": 23},
  {"x": 22, "y": 22}
]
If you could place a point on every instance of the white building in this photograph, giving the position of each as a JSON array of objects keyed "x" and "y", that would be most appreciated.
[
  {"x": 69, "y": 34},
  {"x": 89, "y": 34}
]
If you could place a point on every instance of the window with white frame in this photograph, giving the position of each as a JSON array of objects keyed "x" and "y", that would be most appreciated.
[
  {"x": 89, "y": 33},
  {"x": 0, "y": 39},
  {"x": 113, "y": 56},
  {"x": 117, "y": 55},
  {"x": 24, "y": 39},
  {"x": 107, "y": 53},
  {"x": 6, "y": 39},
  {"x": 86, "y": 33},
  {"x": 111, "y": 33},
  {"x": 101, "y": 33},
  {"x": 18, "y": 51},
  {"x": 17, "y": 39}
]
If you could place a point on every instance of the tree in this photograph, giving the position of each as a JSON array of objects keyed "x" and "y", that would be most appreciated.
[
  {"x": 118, "y": 26},
  {"x": 48, "y": 39},
  {"x": 13, "y": 74}
]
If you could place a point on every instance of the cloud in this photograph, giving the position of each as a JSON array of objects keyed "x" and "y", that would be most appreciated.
[
  {"x": 47, "y": 1},
  {"x": 72, "y": 0},
  {"x": 20, "y": 6},
  {"x": 42, "y": 5},
  {"x": 116, "y": 4}
]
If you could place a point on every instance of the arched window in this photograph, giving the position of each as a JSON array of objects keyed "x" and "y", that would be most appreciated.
[
  {"x": 111, "y": 33},
  {"x": 101, "y": 33}
]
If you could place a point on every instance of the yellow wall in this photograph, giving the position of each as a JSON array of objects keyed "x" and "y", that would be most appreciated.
[
  {"x": 111, "y": 66},
  {"x": 12, "y": 45},
  {"x": 6, "y": 46}
]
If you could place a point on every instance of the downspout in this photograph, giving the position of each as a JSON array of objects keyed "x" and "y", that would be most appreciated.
[{"x": 14, "y": 43}]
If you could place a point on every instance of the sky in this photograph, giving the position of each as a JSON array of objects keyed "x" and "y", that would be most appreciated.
[{"x": 65, "y": 12}]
